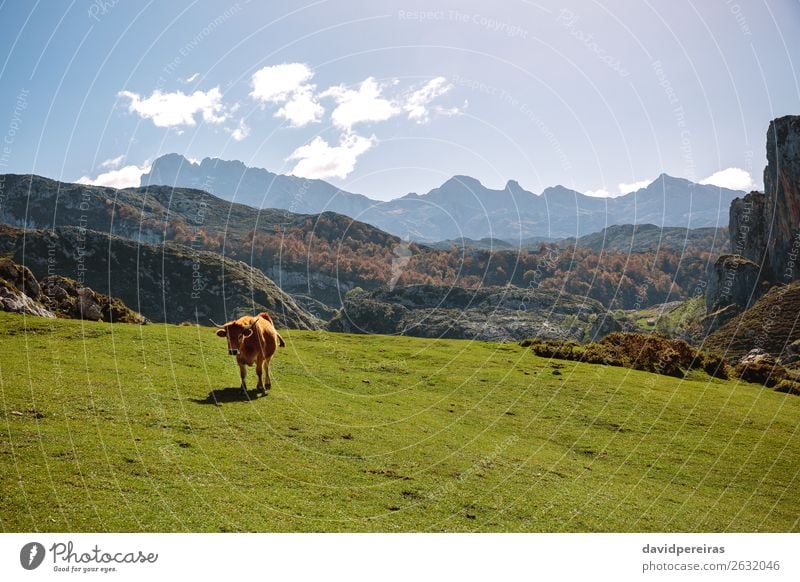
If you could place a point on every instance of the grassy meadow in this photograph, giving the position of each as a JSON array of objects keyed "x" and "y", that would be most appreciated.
[{"x": 143, "y": 428}]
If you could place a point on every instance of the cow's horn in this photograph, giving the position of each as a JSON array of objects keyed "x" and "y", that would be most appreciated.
[
  {"x": 252, "y": 323},
  {"x": 216, "y": 324}
]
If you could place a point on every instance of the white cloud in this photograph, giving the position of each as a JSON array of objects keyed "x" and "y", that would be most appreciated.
[
  {"x": 301, "y": 108},
  {"x": 126, "y": 177},
  {"x": 733, "y": 178},
  {"x": 288, "y": 85},
  {"x": 178, "y": 108},
  {"x": 599, "y": 193},
  {"x": 360, "y": 105},
  {"x": 367, "y": 103},
  {"x": 625, "y": 188},
  {"x": 418, "y": 102},
  {"x": 113, "y": 163},
  {"x": 276, "y": 84},
  {"x": 190, "y": 79},
  {"x": 242, "y": 131},
  {"x": 319, "y": 159}
]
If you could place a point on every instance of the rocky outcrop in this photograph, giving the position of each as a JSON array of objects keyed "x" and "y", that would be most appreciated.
[
  {"x": 764, "y": 228},
  {"x": 770, "y": 325},
  {"x": 20, "y": 277},
  {"x": 53, "y": 296},
  {"x": 20, "y": 291},
  {"x": 15, "y": 301},
  {"x": 490, "y": 313},
  {"x": 748, "y": 228},
  {"x": 68, "y": 298},
  {"x": 782, "y": 190},
  {"x": 733, "y": 280}
]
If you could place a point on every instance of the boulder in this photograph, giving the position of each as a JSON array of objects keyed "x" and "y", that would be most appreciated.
[
  {"x": 15, "y": 301},
  {"x": 760, "y": 367},
  {"x": 20, "y": 277},
  {"x": 71, "y": 299}
]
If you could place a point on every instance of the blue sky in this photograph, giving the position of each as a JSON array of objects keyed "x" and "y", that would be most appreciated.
[{"x": 386, "y": 98}]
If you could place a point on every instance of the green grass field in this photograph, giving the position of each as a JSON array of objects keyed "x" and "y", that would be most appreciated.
[{"x": 112, "y": 428}]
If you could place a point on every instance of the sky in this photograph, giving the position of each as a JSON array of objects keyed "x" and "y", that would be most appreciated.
[{"x": 386, "y": 98}]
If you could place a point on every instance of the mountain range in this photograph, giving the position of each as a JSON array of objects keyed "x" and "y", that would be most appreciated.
[
  {"x": 461, "y": 207},
  {"x": 320, "y": 258}
]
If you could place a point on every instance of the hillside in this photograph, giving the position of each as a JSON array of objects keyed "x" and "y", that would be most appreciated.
[
  {"x": 460, "y": 207},
  {"x": 771, "y": 324},
  {"x": 641, "y": 238},
  {"x": 324, "y": 256},
  {"x": 369, "y": 433},
  {"x": 169, "y": 282},
  {"x": 205, "y": 222}
]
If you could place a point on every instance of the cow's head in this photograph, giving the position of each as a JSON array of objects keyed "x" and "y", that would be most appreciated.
[{"x": 236, "y": 334}]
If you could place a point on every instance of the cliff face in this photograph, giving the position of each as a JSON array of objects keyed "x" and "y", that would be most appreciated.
[
  {"x": 734, "y": 280},
  {"x": 764, "y": 228},
  {"x": 748, "y": 228},
  {"x": 782, "y": 190}
]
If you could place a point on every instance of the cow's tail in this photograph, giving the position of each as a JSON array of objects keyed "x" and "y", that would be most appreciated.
[{"x": 281, "y": 343}]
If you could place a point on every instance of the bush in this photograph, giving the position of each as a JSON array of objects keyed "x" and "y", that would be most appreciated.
[
  {"x": 715, "y": 366},
  {"x": 788, "y": 387},
  {"x": 648, "y": 353},
  {"x": 766, "y": 372}
]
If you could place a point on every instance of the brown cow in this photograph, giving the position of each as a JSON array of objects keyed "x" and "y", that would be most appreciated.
[{"x": 252, "y": 340}]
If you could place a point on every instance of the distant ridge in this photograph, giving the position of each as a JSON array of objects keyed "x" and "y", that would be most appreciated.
[{"x": 461, "y": 207}]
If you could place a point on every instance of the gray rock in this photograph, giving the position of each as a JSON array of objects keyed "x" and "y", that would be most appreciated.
[
  {"x": 733, "y": 280},
  {"x": 748, "y": 228},
  {"x": 13, "y": 300},
  {"x": 782, "y": 190}
]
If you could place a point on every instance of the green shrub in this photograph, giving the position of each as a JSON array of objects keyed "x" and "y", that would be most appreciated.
[
  {"x": 648, "y": 353},
  {"x": 788, "y": 387},
  {"x": 767, "y": 372}
]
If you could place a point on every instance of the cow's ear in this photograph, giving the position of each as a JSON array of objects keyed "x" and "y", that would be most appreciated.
[{"x": 222, "y": 333}]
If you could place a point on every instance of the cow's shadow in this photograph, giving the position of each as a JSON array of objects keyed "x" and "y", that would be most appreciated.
[{"x": 227, "y": 395}]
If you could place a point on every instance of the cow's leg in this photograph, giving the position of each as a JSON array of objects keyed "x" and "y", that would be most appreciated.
[
  {"x": 243, "y": 373},
  {"x": 266, "y": 373},
  {"x": 259, "y": 370}
]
